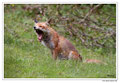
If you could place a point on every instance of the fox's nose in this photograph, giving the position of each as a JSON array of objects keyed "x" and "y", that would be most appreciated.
[{"x": 34, "y": 27}]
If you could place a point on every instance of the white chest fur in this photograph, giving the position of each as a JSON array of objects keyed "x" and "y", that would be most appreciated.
[
  {"x": 43, "y": 43},
  {"x": 48, "y": 44}
]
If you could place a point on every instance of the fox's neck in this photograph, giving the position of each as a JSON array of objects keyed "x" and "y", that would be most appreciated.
[
  {"x": 51, "y": 38},
  {"x": 49, "y": 34}
]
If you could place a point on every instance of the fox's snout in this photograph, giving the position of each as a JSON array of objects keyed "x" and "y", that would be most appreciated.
[{"x": 34, "y": 28}]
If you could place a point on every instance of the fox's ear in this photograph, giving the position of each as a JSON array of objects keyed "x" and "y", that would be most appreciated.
[
  {"x": 35, "y": 21},
  {"x": 49, "y": 21}
]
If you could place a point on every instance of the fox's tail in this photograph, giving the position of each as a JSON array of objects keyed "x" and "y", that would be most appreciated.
[{"x": 94, "y": 61}]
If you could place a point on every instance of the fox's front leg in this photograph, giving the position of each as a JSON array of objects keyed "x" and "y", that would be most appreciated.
[{"x": 55, "y": 53}]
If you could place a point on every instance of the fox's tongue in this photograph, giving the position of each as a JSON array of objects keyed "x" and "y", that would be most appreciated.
[{"x": 40, "y": 37}]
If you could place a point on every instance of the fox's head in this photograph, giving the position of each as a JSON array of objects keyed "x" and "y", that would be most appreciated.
[
  {"x": 41, "y": 29},
  {"x": 43, "y": 26}
]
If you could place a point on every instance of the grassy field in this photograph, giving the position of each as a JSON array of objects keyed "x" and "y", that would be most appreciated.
[{"x": 25, "y": 57}]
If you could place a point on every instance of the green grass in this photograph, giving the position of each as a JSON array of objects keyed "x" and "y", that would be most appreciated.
[{"x": 25, "y": 57}]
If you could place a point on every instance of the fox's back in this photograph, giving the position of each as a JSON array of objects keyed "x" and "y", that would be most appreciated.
[{"x": 66, "y": 45}]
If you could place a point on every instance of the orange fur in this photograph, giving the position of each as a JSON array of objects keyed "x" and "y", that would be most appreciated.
[{"x": 60, "y": 47}]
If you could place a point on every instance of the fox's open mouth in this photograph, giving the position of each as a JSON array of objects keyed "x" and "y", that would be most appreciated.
[{"x": 40, "y": 34}]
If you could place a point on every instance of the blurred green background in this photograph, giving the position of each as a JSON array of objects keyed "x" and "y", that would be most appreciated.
[{"x": 90, "y": 27}]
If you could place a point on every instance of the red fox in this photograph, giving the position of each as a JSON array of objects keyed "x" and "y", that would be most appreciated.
[{"x": 60, "y": 47}]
